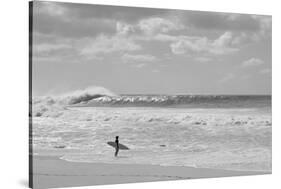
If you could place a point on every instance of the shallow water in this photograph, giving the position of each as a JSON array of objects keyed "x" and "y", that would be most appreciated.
[{"x": 226, "y": 138}]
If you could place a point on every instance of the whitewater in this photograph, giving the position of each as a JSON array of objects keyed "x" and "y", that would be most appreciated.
[{"x": 212, "y": 131}]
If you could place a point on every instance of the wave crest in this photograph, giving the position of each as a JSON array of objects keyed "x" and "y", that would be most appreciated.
[
  {"x": 53, "y": 106},
  {"x": 86, "y": 95},
  {"x": 180, "y": 100}
]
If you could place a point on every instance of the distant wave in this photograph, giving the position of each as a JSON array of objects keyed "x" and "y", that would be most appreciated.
[
  {"x": 86, "y": 95},
  {"x": 54, "y": 105},
  {"x": 99, "y": 96},
  {"x": 179, "y": 100}
]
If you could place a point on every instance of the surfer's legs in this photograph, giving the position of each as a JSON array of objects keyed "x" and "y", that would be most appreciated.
[{"x": 116, "y": 151}]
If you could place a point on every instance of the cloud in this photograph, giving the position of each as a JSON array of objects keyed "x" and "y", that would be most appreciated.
[
  {"x": 220, "y": 46},
  {"x": 95, "y": 31},
  {"x": 264, "y": 31},
  {"x": 124, "y": 28},
  {"x": 227, "y": 78},
  {"x": 159, "y": 25},
  {"x": 56, "y": 18},
  {"x": 55, "y": 51},
  {"x": 252, "y": 62},
  {"x": 109, "y": 44},
  {"x": 248, "y": 28},
  {"x": 183, "y": 45},
  {"x": 50, "y": 48},
  {"x": 82, "y": 20},
  {"x": 127, "y": 35},
  {"x": 149, "y": 28},
  {"x": 224, "y": 40},
  {"x": 220, "y": 21},
  {"x": 138, "y": 58},
  {"x": 265, "y": 23}
]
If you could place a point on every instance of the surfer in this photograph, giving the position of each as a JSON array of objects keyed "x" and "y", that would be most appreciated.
[{"x": 117, "y": 146}]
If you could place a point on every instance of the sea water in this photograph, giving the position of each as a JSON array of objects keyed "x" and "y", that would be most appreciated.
[{"x": 210, "y": 131}]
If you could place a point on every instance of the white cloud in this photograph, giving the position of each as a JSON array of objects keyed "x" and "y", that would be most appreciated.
[
  {"x": 264, "y": 30},
  {"x": 128, "y": 38},
  {"x": 138, "y": 58},
  {"x": 124, "y": 29},
  {"x": 104, "y": 44},
  {"x": 224, "y": 40},
  {"x": 243, "y": 38},
  {"x": 150, "y": 27},
  {"x": 223, "y": 45},
  {"x": 219, "y": 46},
  {"x": 252, "y": 62},
  {"x": 265, "y": 23},
  {"x": 124, "y": 40},
  {"x": 159, "y": 25},
  {"x": 185, "y": 45}
]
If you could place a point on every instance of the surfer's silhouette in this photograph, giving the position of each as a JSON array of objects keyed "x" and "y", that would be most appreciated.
[{"x": 117, "y": 146}]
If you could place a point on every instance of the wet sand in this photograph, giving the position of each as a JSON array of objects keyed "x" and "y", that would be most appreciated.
[{"x": 52, "y": 172}]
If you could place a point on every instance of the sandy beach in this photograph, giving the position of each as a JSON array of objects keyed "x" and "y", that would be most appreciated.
[{"x": 52, "y": 172}]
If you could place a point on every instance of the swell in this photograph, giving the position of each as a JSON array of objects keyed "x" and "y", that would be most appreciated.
[
  {"x": 55, "y": 106},
  {"x": 180, "y": 100}
]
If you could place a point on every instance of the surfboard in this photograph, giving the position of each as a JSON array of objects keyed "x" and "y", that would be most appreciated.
[{"x": 121, "y": 146}]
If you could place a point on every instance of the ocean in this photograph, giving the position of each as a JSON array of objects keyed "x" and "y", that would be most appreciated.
[{"x": 211, "y": 131}]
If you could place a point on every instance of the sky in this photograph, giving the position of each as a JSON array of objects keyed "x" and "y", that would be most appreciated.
[{"x": 130, "y": 50}]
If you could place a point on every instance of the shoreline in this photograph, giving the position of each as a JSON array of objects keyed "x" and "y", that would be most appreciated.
[{"x": 53, "y": 172}]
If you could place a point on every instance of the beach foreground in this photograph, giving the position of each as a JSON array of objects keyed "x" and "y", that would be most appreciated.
[{"x": 52, "y": 172}]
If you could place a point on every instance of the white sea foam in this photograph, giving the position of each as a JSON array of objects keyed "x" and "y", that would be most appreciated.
[
  {"x": 220, "y": 138},
  {"x": 230, "y": 132},
  {"x": 54, "y": 106}
]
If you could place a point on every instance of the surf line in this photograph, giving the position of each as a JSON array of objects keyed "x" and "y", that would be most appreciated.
[{"x": 116, "y": 175}]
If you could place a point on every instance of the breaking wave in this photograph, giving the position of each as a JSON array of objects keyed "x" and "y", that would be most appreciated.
[
  {"x": 99, "y": 96},
  {"x": 81, "y": 96},
  {"x": 52, "y": 106},
  {"x": 180, "y": 100}
]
